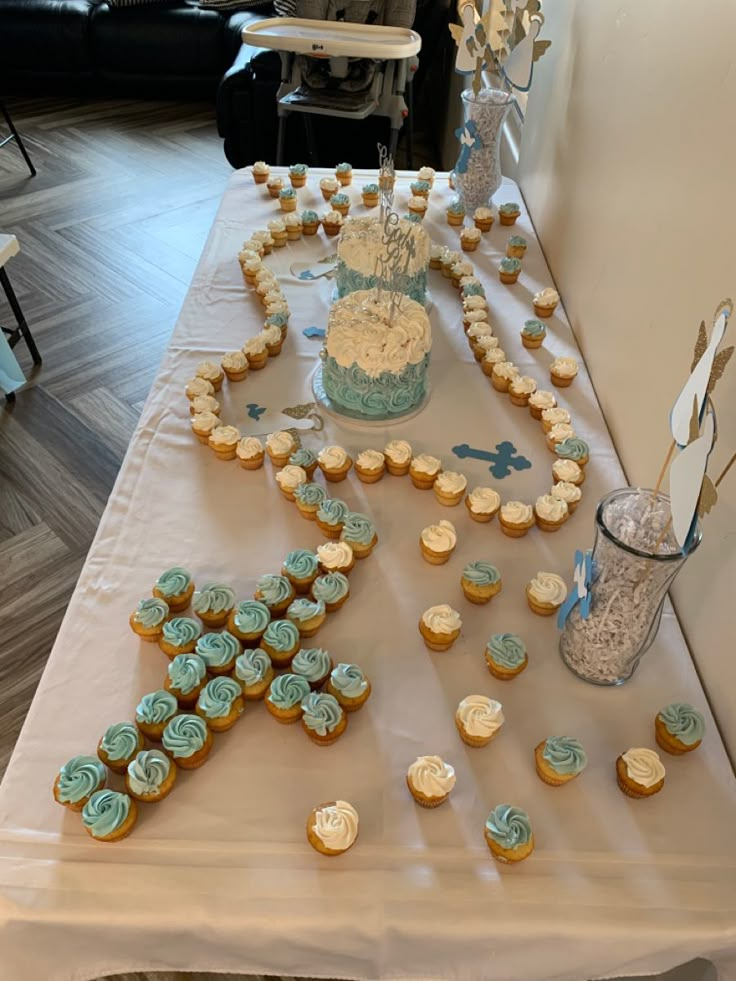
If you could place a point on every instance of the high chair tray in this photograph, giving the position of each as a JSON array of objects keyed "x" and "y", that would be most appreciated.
[{"x": 331, "y": 39}]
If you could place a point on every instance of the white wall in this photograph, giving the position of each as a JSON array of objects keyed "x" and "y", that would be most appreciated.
[{"x": 628, "y": 166}]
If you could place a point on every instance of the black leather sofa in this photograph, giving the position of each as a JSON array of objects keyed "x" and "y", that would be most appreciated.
[
  {"x": 176, "y": 50},
  {"x": 157, "y": 50}
]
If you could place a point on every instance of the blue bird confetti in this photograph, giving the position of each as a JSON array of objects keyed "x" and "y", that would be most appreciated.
[
  {"x": 255, "y": 411},
  {"x": 313, "y": 332}
]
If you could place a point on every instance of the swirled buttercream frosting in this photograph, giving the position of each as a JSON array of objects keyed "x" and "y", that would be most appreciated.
[
  {"x": 322, "y": 712},
  {"x": 251, "y": 617},
  {"x": 120, "y": 740},
  {"x": 148, "y": 771},
  {"x": 105, "y": 812},
  {"x": 184, "y": 735},
  {"x": 186, "y": 672},
  {"x": 336, "y": 825},
  {"x": 217, "y": 697},
  {"x": 252, "y": 666},
  {"x": 564, "y": 754},
  {"x": 213, "y": 597},
  {"x": 683, "y": 721},
  {"x": 156, "y": 707},
  {"x": 311, "y": 663},
  {"x": 349, "y": 680},
  {"x": 218, "y": 650},
  {"x": 509, "y": 826},
  {"x": 79, "y": 777},
  {"x": 288, "y": 690},
  {"x": 431, "y": 776},
  {"x": 507, "y": 650}
]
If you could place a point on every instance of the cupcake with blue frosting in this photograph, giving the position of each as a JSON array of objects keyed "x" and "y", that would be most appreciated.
[
  {"x": 154, "y": 711},
  {"x": 532, "y": 334},
  {"x": 218, "y": 651},
  {"x": 679, "y": 728},
  {"x": 340, "y": 202},
  {"x": 78, "y": 780},
  {"x": 213, "y": 603},
  {"x": 370, "y": 195},
  {"x": 516, "y": 247},
  {"x": 119, "y": 744},
  {"x": 301, "y": 568},
  {"x": 506, "y": 656},
  {"x": 333, "y": 588},
  {"x": 314, "y": 664},
  {"x": 480, "y": 582},
  {"x": 508, "y": 270},
  {"x": 220, "y": 703},
  {"x": 456, "y": 212},
  {"x": 248, "y": 621},
  {"x": 304, "y": 458},
  {"x": 186, "y": 676},
  {"x": 508, "y": 213},
  {"x": 275, "y": 592},
  {"x": 331, "y": 516},
  {"x": 179, "y": 636},
  {"x": 559, "y": 759},
  {"x": 148, "y": 619},
  {"x": 254, "y": 672},
  {"x": 508, "y": 834},
  {"x": 323, "y": 719},
  {"x": 344, "y": 173},
  {"x": 285, "y": 696},
  {"x": 187, "y": 740},
  {"x": 298, "y": 174},
  {"x": 109, "y": 815},
  {"x": 308, "y": 498},
  {"x": 176, "y": 587},
  {"x": 307, "y": 615},
  {"x": 150, "y": 776},
  {"x": 360, "y": 534},
  {"x": 350, "y": 686},
  {"x": 281, "y": 642}
]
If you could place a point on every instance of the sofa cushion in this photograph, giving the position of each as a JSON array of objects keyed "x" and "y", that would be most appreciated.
[
  {"x": 46, "y": 36},
  {"x": 178, "y": 39}
]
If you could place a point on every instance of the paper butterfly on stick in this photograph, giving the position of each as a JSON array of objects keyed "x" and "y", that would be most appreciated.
[
  {"x": 503, "y": 39},
  {"x": 693, "y": 427}
]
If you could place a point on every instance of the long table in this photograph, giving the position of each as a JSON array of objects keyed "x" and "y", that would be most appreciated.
[{"x": 220, "y": 876}]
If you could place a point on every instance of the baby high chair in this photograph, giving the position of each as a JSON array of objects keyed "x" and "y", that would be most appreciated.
[{"x": 348, "y": 58}]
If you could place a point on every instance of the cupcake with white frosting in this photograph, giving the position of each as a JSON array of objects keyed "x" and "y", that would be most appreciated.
[
  {"x": 235, "y": 366},
  {"x": 545, "y": 302},
  {"x": 568, "y": 470},
  {"x": 478, "y": 719},
  {"x": 541, "y": 400},
  {"x": 224, "y": 441},
  {"x": 203, "y": 424},
  {"x": 289, "y": 478},
  {"x": 640, "y": 773},
  {"x": 370, "y": 466},
  {"x": 520, "y": 389},
  {"x": 449, "y": 488},
  {"x": 483, "y": 219},
  {"x": 250, "y": 453},
  {"x": 430, "y": 780},
  {"x": 332, "y": 827},
  {"x": 550, "y": 512},
  {"x": 483, "y": 503},
  {"x": 546, "y": 593},
  {"x": 558, "y": 433},
  {"x": 256, "y": 352},
  {"x": 260, "y": 171},
  {"x": 279, "y": 446},
  {"x": 555, "y": 416},
  {"x": 567, "y": 492},
  {"x": 437, "y": 542},
  {"x": 562, "y": 371},
  {"x": 469, "y": 238},
  {"x": 335, "y": 557},
  {"x": 423, "y": 471},
  {"x": 502, "y": 375},
  {"x": 440, "y": 627},
  {"x": 516, "y": 518},
  {"x": 334, "y": 463},
  {"x": 211, "y": 372},
  {"x": 398, "y": 455}
]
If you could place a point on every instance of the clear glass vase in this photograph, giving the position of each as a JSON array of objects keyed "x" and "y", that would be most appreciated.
[
  {"x": 632, "y": 572},
  {"x": 478, "y": 169}
]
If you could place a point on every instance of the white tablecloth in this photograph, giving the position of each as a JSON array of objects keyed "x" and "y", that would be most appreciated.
[{"x": 220, "y": 876}]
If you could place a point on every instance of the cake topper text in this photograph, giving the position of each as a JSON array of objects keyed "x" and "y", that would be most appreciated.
[{"x": 398, "y": 244}]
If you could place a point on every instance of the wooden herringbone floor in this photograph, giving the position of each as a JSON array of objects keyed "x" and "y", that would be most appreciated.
[{"x": 110, "y": 230}]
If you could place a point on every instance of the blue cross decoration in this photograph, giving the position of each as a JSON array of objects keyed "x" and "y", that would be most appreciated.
[
  {"x": 255, "y": 411},
  {"x": 313, "y": 331},
  {"x": 582, "y": 576},
  {"x": 470, "y": 140},
  {"x": 503, "y": 459}
]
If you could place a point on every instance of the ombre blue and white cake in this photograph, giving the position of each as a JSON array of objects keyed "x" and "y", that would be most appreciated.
[
  {"x": 360, "y": 246},
  {"x": 374, "y": 365}
]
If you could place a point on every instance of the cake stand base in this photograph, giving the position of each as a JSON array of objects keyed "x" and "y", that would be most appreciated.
[{"x": 346, "y": 416}]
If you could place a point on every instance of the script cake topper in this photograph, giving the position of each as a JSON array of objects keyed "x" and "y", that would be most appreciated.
[{"x": 398, "y": 245}]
